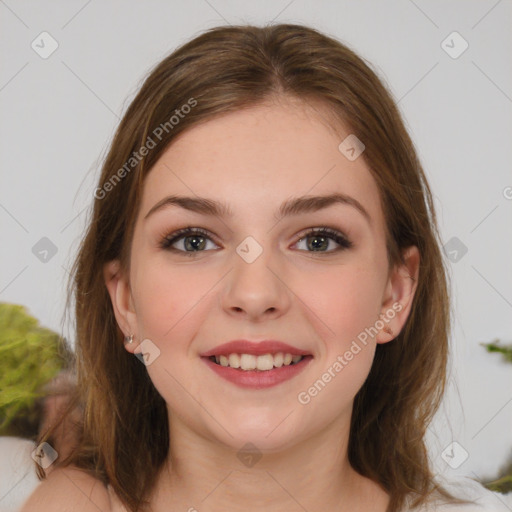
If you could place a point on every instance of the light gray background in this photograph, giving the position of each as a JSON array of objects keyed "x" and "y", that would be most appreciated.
[{"x": 59, "y": 114}]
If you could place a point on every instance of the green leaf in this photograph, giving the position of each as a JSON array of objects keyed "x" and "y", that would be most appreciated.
[{"x": 29, "y": 359}]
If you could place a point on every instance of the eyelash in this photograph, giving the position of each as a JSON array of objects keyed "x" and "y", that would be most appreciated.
[{"x": 343, "y": 242}]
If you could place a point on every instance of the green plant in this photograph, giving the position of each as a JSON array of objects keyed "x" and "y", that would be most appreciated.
[
  {"x": 504, "y": 350},
  {"x": 30, "y": 356},
  {"x": 503, "y": 482}
]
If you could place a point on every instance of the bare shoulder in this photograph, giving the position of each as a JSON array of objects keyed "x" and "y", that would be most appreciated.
[{"x": 69, "y": 489}]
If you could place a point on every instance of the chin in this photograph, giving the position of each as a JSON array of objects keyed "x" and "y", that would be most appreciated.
[{"x": 268, "y": 433}]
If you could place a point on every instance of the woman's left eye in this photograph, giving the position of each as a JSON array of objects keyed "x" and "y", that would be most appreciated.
[
  {"x": 319, "y": 240},
  {"x": 194, "y": 240}
]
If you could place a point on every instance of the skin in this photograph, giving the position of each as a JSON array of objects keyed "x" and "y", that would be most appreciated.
[{"x": 254, "y": 160}]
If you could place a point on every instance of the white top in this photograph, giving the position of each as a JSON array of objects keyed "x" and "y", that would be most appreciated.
[
  {"x": 18, "y": 477},
  {"x": 466, "y": 488}
]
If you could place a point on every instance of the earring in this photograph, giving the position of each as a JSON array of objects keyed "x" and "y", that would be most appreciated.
[{"x": 128, "y": 339}]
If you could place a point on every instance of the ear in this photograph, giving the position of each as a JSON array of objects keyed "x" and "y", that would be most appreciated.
[
  {"x": 398, "y": 295},
  {"x": 122, "y": 303}
]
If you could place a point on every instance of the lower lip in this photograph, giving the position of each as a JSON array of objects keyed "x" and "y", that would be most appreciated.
[{"x": 256, "y": 379}]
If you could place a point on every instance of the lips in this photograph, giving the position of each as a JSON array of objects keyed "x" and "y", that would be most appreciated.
[
  {"x": 256, "y": 365},
  {"x": 255, "y": 379},
  {"x": 255, "y": 348}
]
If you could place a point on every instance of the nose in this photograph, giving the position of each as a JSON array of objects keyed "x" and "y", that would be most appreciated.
[{"x": 256, "y": 290}]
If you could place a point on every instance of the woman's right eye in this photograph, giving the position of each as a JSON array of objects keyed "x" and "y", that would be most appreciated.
[{"x": 191, "y": 240}]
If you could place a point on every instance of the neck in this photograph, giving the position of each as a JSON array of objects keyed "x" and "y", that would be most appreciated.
[{"x": 315, "y": 474}]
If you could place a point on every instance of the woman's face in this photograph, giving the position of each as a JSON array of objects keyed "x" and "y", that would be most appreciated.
[{"x": 254, "y": 274}]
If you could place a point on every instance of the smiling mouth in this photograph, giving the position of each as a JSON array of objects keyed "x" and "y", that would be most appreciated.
[{"x": 266, "y": 362}]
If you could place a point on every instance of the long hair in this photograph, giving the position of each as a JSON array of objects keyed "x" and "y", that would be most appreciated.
[{"x": 125, "y": 434}]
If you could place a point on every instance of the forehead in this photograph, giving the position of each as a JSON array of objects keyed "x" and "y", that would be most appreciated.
[{"x": 256, "y": 158}]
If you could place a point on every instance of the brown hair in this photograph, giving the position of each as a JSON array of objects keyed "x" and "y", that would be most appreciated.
[{"x": 125, "y": 434}]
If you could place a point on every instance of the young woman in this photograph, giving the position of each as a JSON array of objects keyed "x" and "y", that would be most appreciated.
[{"x": 261, "y": 302}]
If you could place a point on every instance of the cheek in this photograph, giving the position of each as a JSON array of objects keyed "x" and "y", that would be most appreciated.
[
  {"x": 165, "y": 295},
  {"x": 171, "y": 302},
  {"x": 346, "y": 303},
  {"x": 346, "y": 300}
]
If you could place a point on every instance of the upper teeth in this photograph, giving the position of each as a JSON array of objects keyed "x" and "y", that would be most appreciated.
[{"x": 252, "y": 362}]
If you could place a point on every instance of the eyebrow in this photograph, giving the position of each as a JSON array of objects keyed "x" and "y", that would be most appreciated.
[{"x": 294, "y": 206}]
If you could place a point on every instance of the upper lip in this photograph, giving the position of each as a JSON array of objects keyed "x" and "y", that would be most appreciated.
[{"x": 256, "y": 348}]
